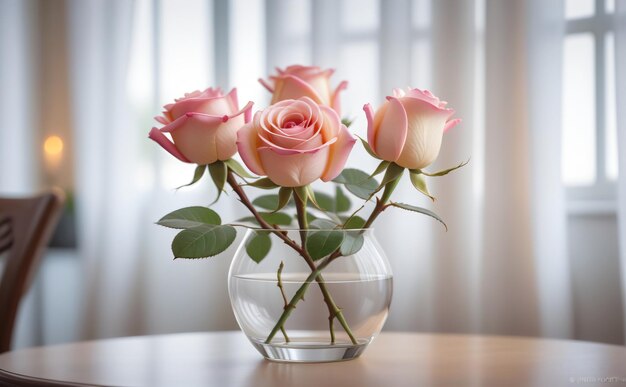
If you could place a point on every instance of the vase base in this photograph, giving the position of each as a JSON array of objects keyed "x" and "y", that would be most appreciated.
[{"x": 309, "y": 352}]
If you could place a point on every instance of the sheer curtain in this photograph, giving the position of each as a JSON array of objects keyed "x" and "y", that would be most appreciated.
[
  {"x": 620, "y": 64},
  {"x": 501, "y": 268}
]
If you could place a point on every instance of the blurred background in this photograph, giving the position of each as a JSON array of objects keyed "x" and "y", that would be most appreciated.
[{"x": 537, "y": 239}]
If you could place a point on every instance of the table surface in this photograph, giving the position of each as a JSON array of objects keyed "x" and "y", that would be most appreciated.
[{"x": 392, "y": 360}]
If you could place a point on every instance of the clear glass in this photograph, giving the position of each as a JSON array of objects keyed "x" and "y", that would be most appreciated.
[{"x": 358, "y": 289}]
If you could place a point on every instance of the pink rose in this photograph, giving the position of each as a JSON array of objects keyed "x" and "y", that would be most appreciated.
[
  {"x": 295, "y": 142},
  {"x": 407, "y": 129},
  {"x": 304, "y": 81},
  {"x": 203, "y": 126}
]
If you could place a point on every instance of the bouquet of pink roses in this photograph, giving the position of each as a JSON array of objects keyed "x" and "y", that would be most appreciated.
[{"x": 286, "y": 147}]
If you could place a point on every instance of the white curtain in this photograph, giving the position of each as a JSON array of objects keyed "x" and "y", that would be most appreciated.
[
  {"x": 501, "y": 268},
  {"x": 620, "y": 65}
]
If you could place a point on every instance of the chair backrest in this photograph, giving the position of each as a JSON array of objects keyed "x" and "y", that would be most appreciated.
[{"x": 26, "y": 225}]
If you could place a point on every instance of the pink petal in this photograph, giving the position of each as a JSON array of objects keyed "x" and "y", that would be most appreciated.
[
  {"x": 294, "y": 170},
  {"x": 339, "y": 153},
  {"x": 371, "y": 135},
  {"x": 451, "y": 124},
  {"x": 392, "y": 132},
  {"x": 247, "y": 146},
  {"x": 266, "y": 85},
  {"x": 290, "y": 87},
  {"x": 232, "y": 97},
  {"x": 158, "y": 137},
  {"x": 336, "y": 101}
]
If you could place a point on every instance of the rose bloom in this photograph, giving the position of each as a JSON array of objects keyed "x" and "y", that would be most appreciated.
[
  {"x": 407, "y": 129},
  {"x": 203, "y": 126},
  {"x": 305, "y": 81},
  {"x": 295, "y": 142}
]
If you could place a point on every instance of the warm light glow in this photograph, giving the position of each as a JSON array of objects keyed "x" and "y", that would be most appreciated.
[{"x": 53, "y": 145}]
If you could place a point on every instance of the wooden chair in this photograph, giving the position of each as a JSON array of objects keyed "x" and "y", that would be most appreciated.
[{"x": 26, "y": 225}]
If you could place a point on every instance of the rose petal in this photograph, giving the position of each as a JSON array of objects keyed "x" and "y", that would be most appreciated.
[
  {"x": 392, "y": 131},
  {"x": 247, "y": 139},
  {"x": 157, "y": 136},
  {"x": 291, "y": 87},
  {"x": 295, "y": 170},
  {"x": 338, "y": 155}
]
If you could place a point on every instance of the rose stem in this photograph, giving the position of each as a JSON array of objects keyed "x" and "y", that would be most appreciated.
[
  {"x": 381, "y": 205},
  {"x": 332, "y": 307},
  {"x": 282, "y": 292},
  {"x": 232, "y": 181}
]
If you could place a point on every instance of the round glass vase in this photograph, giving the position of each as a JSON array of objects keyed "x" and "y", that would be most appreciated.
[{"x": 299, "y": 305}]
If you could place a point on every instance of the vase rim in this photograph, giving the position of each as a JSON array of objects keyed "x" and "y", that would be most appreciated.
[{"x": 288, "y": 229}]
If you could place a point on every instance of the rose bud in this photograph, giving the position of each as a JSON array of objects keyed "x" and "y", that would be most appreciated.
[
  {"x": 407, "y": 129},
  {"x": 203, "y": 126},
  {"x": 304, "y": 81},
  {"x": 295, "y": 142}
]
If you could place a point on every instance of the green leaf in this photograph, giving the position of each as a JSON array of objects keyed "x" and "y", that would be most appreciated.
[
  {"x": 355, "y": 222},
  {"x": 418, "y": 181},
  {"x": 269, "y": 202},
  {"x": 352, "y": 243},
  {"x": 190, "y": 217},
  {"x": 342, "y": 202},
  {"x": 278, "y": 218},
  {"x": 238, "y": 169},
  {"x": 420, "y": 210},
  {"x": 394, "y": 171},
  {"x": 264, "y": 183},
  {"x": 284, "y": 195},
  {"x": 357, "y": 182},
  {"x": 301, "y": 193},
  {"x": 325, "y": 201},
  {"x": 323, "y": 224},
  {"x": 218, "y": 171},
  {"x": 197, "y": 175},
  {"x": 368, "y": 149},
  {"x": 381, "y": 167},
  {"x": 203, "y": 241},
  {"x": 346, "y": 121},
  {"x": 311, "y": 196},
  {"x": 321, "y": 243},
  {"x": 445, "y": 171},
  {"x": 259, "y": 245}
]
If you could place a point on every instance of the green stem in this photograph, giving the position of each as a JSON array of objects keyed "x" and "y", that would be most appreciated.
[{"x": 282, "y": 292}]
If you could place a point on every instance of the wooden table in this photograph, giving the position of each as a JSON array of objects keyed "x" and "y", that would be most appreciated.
[{"x": 393, "y": 360}]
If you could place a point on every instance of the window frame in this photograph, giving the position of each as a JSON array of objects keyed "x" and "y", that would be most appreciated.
[{"x": 600, "y": 196}]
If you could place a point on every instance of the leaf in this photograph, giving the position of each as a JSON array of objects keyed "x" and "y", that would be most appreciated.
[
  {"x": 445, "y": 171},
  {"x": 355, "y": 222},
  {"x": 394, "y": 171},
  {"x": 368, "y": 149},
  {"x": 323, "y": 224},
  {"x": 301, "y": 193},
  {"x": 321, "y": 243},
  {"x": 264, "y": 183},
  {"x": 218, "y": 171},
  {"x": 342, "y": 202},
  {"x": 420, "y": 210},
  {"x": 279, "y": 218},
  {"x": 268, "y": 202},
  {"x": 418, "y": 181},
  {"x": 259, "y": 245},
  {"x": 381, "y": 167},
  {"x": 197, "y": 175},
  {"x": 203, "y": 241},
  {"x": 346, "y": 121},
  {"x": 238, "y": 169},
  {"x": 351, "y": 244},
  {"x": 325, "y": 201},
  {"x": 284, "y": 195},
  {"x": 357, "y": 182},
  {"x": 311, "y": 196},
  {"x": 190, "y": 217}
]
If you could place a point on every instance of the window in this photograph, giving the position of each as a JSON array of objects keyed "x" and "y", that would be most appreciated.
[{"x": 589, "y": 157}]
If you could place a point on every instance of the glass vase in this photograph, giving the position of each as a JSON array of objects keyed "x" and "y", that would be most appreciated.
[{"x": 323, "y": 303}]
